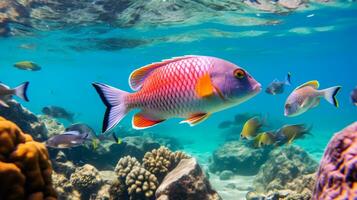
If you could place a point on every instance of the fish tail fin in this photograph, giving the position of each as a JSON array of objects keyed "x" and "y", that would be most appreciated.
[
  {"x": 21, "y": 91},
  {"x": 288, "y": 79},
  {"x": 330, "y": 95},
  {"x": 114, "y": 101}
]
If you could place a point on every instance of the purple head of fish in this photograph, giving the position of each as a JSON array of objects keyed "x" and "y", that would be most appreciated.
[
  {"x": 235, "y": 83},
  {"x": 291, "y": 109}
]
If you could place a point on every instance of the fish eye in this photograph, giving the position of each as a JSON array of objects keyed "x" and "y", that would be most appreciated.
[
  {"x": 287, "y": 106},
  {"x": 239, "y": 73}
]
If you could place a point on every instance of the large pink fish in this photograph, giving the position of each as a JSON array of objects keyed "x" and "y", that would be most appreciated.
[{"x": 189, "y": 87}]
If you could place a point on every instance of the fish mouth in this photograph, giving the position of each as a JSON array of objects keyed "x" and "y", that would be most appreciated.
[{"x": 257, "y": 88}]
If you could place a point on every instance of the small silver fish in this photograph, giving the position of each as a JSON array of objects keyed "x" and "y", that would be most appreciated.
[
  {"x": 67, "y": 140},
  {"x": 277, "y": 87},
  {"x": 6, "y": 93},
  {"x": 307, "y": 96}
]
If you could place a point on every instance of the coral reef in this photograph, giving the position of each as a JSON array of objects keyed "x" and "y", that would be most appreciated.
[
  {"x": 86, "y": 179},
  {"x": 136, "y": 181},
  {"x": 125, "y": 165},
  {"x": 238, "y": 157},
  {"x": 52, "y": 125},
  {"x": 25, "y": 168},
  {"x": 64, "y": 187},
  {"x": 161, "y": 161},
  {"x": 108, "y": 152},
  {"x": 27, "y": 121},
  {"x": 288, "y": 172},
  {"x": 337, "y": 174},
  {"x": 186, "y": 182},
  {"x": 118, "y": 189},
  {"x": 141, "y": 184}
]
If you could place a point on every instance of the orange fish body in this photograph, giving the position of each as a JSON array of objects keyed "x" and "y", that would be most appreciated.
[{"x": 190, "y": 87}]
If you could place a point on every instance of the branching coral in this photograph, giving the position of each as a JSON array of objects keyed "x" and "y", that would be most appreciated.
[
  {"x": 141, "y": 184},
  {"x": 136, "y": 181},
  {"x": 161, "y": 161},
  {"x": 125, "y": 165},
  {"x": 25, "y": 168},
  {"x": 118, "y": 189}
]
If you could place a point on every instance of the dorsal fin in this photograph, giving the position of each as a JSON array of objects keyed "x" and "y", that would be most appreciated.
[
  {"x": 315, "y": 84},
  {"x": 139, "y": 75}
]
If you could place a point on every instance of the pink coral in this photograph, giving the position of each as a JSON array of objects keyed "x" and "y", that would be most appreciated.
[{"x": 337, "y": 175}]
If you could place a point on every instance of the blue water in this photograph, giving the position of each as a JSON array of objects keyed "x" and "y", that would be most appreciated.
[{"x": 322, "y": 47}]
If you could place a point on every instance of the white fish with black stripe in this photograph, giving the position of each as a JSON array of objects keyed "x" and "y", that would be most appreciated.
[
  {"x": 308, "y": 96},
  {"x": 7, "y": 93}
]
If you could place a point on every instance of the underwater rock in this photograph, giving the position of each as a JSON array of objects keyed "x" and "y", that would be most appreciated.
[
  {"x": 141, "y": 184},
  {"x": 64, "y": 188},
  {"x": 299, "y": 189},
  {"x": 225, "y": 175},
  {"x": 160, "y": 161},
  {"x": 25, "y": 168},
  {"x": 53, "y": 126},
  {"x": 62, "y": 165},
  {"x": 27, "y": 121},
  {"x": 283, "y": 167},
  {"x": 87, "y": 180},
  {"x": 291, "y": 4},
  {"x": 137, "y": 146},
  {"x": 239, "y": 158},
  {"x": 186, "y": 182},
  {"x": 337, "y": 174}
]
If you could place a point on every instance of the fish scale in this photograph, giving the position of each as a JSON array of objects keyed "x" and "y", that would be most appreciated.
[{"x": 170, "y": 89}]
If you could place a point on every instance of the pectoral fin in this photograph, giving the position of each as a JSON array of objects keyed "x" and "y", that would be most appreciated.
[
  {"x": 291, "y": 139},
  {"x": 317, "y": 102},
  {"x": 204, "y": 86},
  {"x": 2, "y": 103},
  {"x": 195, "y": 119},
  {"x": 142, "y": 122}
]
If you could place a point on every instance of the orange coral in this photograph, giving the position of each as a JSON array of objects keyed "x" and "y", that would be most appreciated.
[{"x": 25, "y": 168}]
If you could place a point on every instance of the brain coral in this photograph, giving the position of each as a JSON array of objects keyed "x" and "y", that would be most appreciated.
[
  {"x": 25, "y": 168},
  {"x": 337, "y": 175}
]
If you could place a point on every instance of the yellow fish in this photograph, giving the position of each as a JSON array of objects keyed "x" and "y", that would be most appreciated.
[
  {"x": 27, "y": 65},
  {"x": 251, "y": 128},
  {"x": 264, "y": 139},
  {"x": 288, "y": 133}
]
